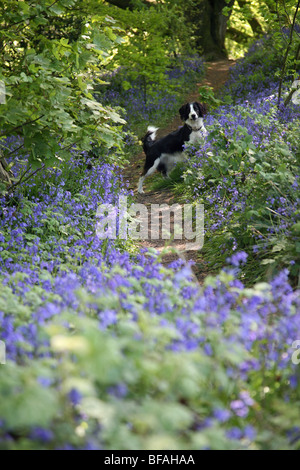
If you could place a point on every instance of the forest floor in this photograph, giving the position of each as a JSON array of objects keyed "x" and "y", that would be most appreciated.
[{"x": 217, "y": 73}]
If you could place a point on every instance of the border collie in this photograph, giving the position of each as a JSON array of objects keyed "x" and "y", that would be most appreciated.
[{"x": 163, "y": 154}]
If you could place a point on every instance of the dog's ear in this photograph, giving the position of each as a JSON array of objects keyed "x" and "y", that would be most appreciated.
[
  {"x": 202, "y": 109},
  {"x": 184, "y": 112}
]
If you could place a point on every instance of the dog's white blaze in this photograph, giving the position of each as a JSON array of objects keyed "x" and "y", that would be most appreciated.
[
  {"x": 195, "y": 124},
  {"x": 192, "y": 111}
]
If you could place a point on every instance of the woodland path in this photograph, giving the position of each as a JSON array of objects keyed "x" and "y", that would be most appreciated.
[{"x": 216, "y": 75}]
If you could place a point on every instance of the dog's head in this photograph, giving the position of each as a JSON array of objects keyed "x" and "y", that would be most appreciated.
[{"x": 191, "y": 112}]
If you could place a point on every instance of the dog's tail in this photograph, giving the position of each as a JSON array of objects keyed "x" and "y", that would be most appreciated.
[{"x": 149, "y": 138}]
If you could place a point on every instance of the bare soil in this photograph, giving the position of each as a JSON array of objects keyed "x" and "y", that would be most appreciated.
[{"x": 216, "y": 75}]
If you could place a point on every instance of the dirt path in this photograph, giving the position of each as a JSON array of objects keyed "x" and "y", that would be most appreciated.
[{"x": 216, "y": 76}]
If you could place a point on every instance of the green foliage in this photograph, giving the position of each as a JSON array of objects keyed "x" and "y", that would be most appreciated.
[
  {"x": 250, "y": 20},
  {"x": 144, "y": 53},
  {"x": 48, "y": 76},
  {"x": 207, "y": 96},
  {"x": 166, "y": 397},
  {"x": 228, "y": 156}
]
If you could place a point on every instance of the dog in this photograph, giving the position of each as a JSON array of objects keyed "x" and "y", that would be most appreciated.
[{"x": 163, "y": 154}]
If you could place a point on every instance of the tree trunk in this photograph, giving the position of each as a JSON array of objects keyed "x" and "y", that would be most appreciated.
[{"x": 211, "y": 27}]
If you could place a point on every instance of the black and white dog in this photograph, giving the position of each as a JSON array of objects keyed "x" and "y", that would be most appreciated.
[{"x": 163, "y": 154}]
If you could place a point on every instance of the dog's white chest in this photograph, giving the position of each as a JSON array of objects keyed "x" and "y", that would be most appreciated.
[{"x": 196, "y": 136}]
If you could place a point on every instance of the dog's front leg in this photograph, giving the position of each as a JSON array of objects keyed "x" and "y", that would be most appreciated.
[
  {"x": 140, "y": 186},
  {"x": 147, "y": 172}
]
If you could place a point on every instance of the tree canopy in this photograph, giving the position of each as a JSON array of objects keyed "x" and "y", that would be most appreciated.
[{"x": 53, "y": 53}]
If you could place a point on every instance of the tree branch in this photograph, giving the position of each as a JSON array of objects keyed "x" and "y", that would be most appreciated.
[
  {"x": 21, "y": 125},
  {"x": 21, "y": 180}
]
